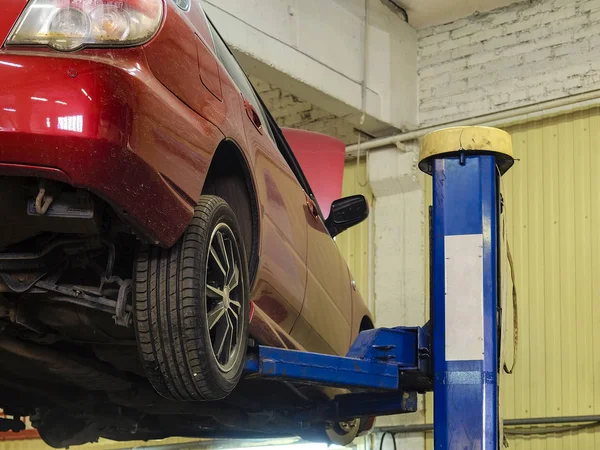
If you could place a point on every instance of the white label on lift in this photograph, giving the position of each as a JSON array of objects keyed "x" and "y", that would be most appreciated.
[{"x": 464, "y": 297}]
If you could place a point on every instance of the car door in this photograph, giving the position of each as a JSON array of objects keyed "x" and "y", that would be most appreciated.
[
  {"x": 280, "y": 282},
  {"x": 325, "y": 322},
  {"x": 327, "y": 306},
  {"x": 326, "y": 316}
]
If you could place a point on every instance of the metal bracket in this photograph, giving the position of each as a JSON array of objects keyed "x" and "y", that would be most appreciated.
[{"x": 122, "y": 312}]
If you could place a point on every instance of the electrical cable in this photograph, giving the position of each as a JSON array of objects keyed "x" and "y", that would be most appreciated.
[
  {"x": 515, "y": 313},
  {"x": 356, "y": 177},
  {"x": 514, "y": 287},
  {"x": 383, "y": 437},
  {"x": 394, "y": 6},
  {"x": 365, "y": 64},
  {"x": 364, "y": 94}
]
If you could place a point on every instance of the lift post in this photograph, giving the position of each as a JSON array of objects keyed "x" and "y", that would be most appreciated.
[
  {"x": 466, "y": 165},
  {"x": 457, "y": 353}
]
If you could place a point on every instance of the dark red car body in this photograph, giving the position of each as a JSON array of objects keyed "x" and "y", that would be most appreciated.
[{"x": 139, "y": 128}]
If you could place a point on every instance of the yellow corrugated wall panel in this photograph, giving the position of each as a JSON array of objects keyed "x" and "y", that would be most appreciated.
[
  {"x": 354, "y": 245},
  {"x": 553, "y": 225}
]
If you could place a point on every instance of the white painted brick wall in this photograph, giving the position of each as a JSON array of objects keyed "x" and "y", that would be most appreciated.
[
  {"x": 525, "y": 53},
  {"x": 290, "y": 111}
]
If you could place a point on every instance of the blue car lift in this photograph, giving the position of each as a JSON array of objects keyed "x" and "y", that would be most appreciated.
[{"x": 456, "y": 354}]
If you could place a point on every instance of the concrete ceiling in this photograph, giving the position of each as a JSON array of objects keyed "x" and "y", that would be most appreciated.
[{"x": 424, "y": 13}]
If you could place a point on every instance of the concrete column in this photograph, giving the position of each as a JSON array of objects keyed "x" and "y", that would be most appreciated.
[{"x": 399, "y": 260}]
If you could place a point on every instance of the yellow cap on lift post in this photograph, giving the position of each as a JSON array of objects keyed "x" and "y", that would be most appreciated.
[{"x": 476, "y": 140}]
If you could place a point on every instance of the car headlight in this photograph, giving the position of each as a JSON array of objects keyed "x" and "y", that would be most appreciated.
[{"x": 68, "y": 25}]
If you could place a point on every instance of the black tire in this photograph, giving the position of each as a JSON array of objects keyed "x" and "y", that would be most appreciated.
[
  {"x": 172, "y": 302},
  {"x": 336, "y": 433},
  {"x": 342, "y": 433}
]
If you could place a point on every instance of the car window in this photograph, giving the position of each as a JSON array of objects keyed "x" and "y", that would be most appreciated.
[{"x": 239, "y": 77}]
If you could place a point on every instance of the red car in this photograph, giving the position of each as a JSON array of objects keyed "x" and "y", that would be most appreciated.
[{"x": 156, "y": 224}]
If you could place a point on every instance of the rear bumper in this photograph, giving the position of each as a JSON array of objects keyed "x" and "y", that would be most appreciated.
[{"x": 108, "y": 127}]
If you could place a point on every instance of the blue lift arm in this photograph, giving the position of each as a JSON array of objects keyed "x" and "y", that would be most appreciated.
[
  {"x": 457, "y": 353},
  {"x": 381, "y": 359}
]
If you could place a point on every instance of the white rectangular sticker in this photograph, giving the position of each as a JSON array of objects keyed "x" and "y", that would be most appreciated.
[{"x": 464, "y": 297}]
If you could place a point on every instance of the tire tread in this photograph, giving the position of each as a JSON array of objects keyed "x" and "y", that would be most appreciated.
[{"x": 168, "y": 321}]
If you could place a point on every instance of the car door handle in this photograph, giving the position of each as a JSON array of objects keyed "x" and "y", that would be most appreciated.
[
  {"x": 252, "y": 115},
  {"x": 312, "y": 208}
]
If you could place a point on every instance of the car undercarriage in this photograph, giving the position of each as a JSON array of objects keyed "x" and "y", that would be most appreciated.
[{"x": 67, "y": 338}]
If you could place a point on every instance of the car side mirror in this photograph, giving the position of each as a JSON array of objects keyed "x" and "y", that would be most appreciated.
[{"x": 347, "y": 212}]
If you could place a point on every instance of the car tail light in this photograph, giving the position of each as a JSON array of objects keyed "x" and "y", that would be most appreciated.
[{"x": 68, "y": 25}]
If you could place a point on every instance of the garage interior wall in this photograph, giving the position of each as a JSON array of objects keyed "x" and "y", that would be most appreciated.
[
  {"x": 522, "y": 54},
  {"x": 552, "y": 197}
]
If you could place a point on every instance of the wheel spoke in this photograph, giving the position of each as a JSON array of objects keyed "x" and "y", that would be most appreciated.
[
  {"x": 231, "y": 260},
  {"x": 221, "y": 243},
  {"x": 218, "y": 292},
  {"x": 215, "y": 314},
  {"x": 213, "y": 253},
  {"x": 232, "y": 333},
  {"x": 235, "y": 278},
  {"x": 221, "y": 338},
  {"x": 236, "y": 303},
  {"x": 235, "y": 322}
]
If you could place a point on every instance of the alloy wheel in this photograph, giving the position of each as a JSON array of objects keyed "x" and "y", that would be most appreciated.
[{"x": 224, "y": 297}]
